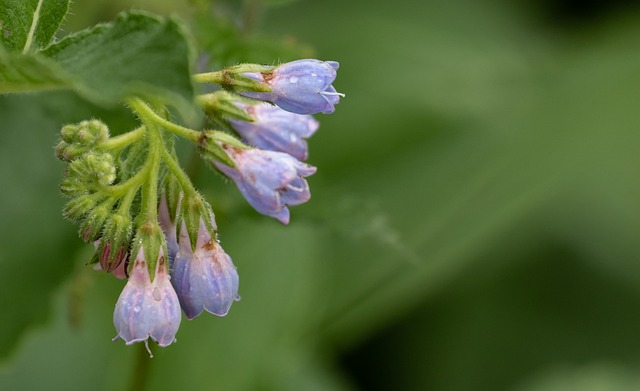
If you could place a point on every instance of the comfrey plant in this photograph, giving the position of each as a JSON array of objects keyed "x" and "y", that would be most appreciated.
[
  {"x": 128, "y": 193},
  {"x": 148, "y": 222}
]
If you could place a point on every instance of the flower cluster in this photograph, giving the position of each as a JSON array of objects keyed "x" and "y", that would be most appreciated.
[{"x": 145, "y": 218}]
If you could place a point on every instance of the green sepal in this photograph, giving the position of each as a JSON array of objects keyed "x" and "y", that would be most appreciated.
[
  {"x": 173, "y": 194},
  {"x": 193, "y": 209},
  {"x": 150, "y": 237},
  {"x": 116, "y": 238},
  {"x": 78, "y": 207},
  {"x": 211, "y": 144},
  {"x": 91, "y": 226},
  {"x": 234, "y": 80},
  {"x": 220, "y": 106},
  {"x": 68, "y": 152}
]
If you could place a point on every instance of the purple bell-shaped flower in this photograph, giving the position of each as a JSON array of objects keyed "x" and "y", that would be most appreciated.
[
  {"x": 302, "y": 86},
  {"x": 269, "y": 181},
  {"x": 275, "y": 129},
  {"x": 147, "y": 309},
  {"x": 205, "y": 279}
]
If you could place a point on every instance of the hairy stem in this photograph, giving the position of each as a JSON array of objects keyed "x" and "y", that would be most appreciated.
[
  {"x": 147, "y": 114},
  {"x": 209, "y": 77},
  {"x": 123, "y": 140},
  {"x": 180, "y": 175}
]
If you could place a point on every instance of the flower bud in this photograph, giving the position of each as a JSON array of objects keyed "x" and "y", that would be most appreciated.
[
  {"x": 79, "y": 206},
  {"x": 67, "y": 152},
  {"x": 269, "y": 181},
  {"x": 302, "y": 86},
  {"x": 85, "y": 133},
  {"x": 80, "y": 138},
  {"x": 91, "y": 227},
  {"x": 115, "y": 242},
  {"x": 91, "y": 170},
  {"x": 204, "y": 278}
]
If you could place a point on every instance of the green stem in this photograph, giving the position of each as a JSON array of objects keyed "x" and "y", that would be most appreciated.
[
  {"x": 140, "y": 373},
  {"x": 177, "y": 171},
  {"x": 150, "y": 193},
  {"x": 136, "y": 180},
  {"x": 209, "y": 77},
  {"x": 127, "y": 200},
  {"x": 121, "y": 141},
  {"x": 148, "y": 115}
]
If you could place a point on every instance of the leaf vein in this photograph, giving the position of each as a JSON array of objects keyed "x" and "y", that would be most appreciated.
[{"x": 32, "y": 30}]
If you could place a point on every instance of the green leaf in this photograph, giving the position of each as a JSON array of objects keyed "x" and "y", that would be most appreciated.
[
  {"x": 30, "y": 24},
  {"x": 24, "y": 73},
  {"x": 138, "y": 54}
]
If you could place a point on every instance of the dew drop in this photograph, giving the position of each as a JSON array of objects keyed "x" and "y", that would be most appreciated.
[
  {"x": 136, "y": 308},
  {"x": 156, "y": 294},
  {"x": 293, "y": 80}
]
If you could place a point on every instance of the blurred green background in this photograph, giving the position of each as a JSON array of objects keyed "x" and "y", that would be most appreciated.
[{"x": 474, "y": 221}]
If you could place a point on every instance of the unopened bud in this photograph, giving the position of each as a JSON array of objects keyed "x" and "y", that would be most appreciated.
[
  {"x": 91, "y": 168},
  {"x": 91, "y": 227},
  {"x": 85, "y": 133},
  {"x": 115, "y": 235},
  {"x": 78, "y": 207},
  {"x": 69, "y": 152}
]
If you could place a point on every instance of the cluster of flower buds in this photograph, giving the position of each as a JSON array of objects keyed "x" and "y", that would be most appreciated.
[{"x": 147, "y": 221}]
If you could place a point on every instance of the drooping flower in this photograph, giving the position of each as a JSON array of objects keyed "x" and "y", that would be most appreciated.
[
  {"x": 302, "y": 86},
  {"x": 269, "y": 181},
  {"x": 205, "y": 279},
  {"x": 147, "y": 309},
  {"x": 275, "y": 129}
]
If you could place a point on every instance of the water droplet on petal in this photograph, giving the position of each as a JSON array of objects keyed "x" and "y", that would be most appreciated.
[
  {"x": 293, "y": 80},
  {"x": 156, "y": 294},
  {"x": 136, "y": 308}
]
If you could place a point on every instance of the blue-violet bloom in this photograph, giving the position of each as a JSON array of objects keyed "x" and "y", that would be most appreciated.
[
  {"x": 275, "y": 129},
  {"x": 145, "y": 308},
  {"x": 204, "y": 279},
  {"x": 268, "y": 180},
  {"x": 302, "y": 86}
]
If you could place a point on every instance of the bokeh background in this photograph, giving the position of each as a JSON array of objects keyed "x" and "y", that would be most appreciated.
[{"x": 474, "y": 223}]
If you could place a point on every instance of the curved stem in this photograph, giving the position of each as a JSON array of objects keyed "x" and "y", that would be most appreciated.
[
  {"x": 127, "y": 200},
  {"x": 121, "y": 141},
  {"x": 148, "y": 115},
  {"x": 177, "y": 171},
  {"x": 136, "y": 180}
]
